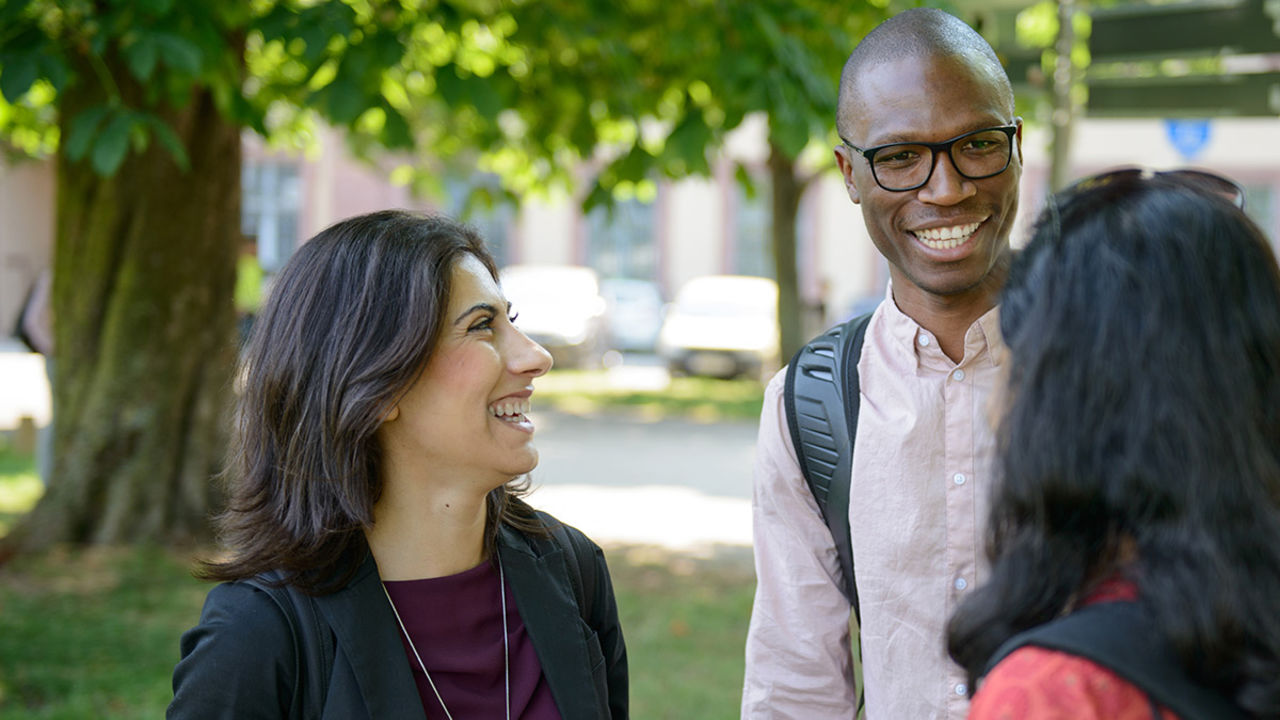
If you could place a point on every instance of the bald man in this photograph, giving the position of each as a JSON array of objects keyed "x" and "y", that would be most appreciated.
[{"x": 932, "y": 153}]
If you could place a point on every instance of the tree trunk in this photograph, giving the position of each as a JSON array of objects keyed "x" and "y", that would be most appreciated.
[
  {"x": 144, "y": 266},
  {"x": 1064, "y": 111},
  {"x": 786, "y": 190}
]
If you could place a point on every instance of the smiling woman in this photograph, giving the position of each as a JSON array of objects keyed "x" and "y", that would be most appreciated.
[{"x": 381, "y": 561}]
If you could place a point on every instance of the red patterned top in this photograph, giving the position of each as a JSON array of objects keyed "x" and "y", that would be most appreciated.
[{"x": 1033, "y": 683}]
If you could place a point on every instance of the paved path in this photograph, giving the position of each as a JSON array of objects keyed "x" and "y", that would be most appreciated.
[{"x": 672, "y": 483}]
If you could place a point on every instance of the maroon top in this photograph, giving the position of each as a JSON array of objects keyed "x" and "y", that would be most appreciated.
[{"x": 456, "y": 624}]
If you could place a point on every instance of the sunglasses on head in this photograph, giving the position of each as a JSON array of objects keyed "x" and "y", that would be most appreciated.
[
  {"x": 1116, "y": 181},
  {"x": 1198, "y": 180}
]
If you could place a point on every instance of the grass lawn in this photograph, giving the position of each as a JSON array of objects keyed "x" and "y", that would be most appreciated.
[
  {"x": 586, "y": 392},
  {"x": 94, "y": 634}
]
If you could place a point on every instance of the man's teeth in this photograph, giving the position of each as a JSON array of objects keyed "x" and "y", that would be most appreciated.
[
  {"x": 510, "y": 409},
  {"x": 945, "y": 238}
]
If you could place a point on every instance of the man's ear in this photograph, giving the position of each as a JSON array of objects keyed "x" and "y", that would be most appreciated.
[
  {"x": 844, "y": 160},
  {"x": 1018, "y": 137}
]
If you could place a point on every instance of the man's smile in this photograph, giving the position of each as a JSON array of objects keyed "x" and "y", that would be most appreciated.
[{"x": 945, "y": 238}]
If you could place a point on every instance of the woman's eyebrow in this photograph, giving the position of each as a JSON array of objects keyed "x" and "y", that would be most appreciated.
[{"x": 487, "y": 307}]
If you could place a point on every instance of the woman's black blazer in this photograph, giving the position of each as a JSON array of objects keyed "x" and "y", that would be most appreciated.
[{"x": 241, "y": 661}]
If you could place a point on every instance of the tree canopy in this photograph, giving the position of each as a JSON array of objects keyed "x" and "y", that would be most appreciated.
[{"x": 131, "y": 95}]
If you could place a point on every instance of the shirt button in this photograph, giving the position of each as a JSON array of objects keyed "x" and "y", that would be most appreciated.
[
  {"x": 961, "y": 689},
  {"x": 924, "y": 340},
  {"x": 958, "y": 375},
  {"x": 961, "y": 584},
  {"x": 959, "y": 478}
]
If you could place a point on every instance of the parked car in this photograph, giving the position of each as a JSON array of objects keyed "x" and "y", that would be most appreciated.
[
  {"x": 722, "y": 326},
  {"x": 560, "y": 308},
  {"x": 634, "y": 309}
]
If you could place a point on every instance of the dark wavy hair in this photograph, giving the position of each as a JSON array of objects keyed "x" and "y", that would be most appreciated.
[
  {"x": 1143, "y": 412},
  {"x": 344, "y": 332}
]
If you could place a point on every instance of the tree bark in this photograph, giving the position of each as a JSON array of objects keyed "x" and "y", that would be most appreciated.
[
  {"x": 786, "y": 190},
  {"x": 1064, "y": 110},
  {"x": 144, "y": 266}
]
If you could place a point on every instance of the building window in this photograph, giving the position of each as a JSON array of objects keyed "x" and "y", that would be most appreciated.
[
  {"x": 620, "y": 243},
  {"x": 749, "y": 229},
  {"x": 271, "y": 193}
]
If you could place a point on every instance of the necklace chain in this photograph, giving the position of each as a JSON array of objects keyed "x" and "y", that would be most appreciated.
[{"x": 506, "y": 649}]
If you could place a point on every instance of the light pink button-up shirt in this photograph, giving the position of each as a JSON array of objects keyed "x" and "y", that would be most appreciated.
[{"x": 917, "y": 510}]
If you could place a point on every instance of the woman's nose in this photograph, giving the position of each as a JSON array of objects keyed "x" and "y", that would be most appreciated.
[{"x": 528, "y": 357}]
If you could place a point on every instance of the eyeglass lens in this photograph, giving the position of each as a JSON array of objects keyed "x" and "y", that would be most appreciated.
[{"x": 975, "y": 156}]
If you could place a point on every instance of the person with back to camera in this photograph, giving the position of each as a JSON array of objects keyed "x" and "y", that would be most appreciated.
[
  {"x": 1134, "y": 534},
  {"x": 382, "y": 562},
  {"x": 932, "y": 154}
]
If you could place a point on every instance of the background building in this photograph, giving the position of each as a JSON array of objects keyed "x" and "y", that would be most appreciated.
[{"x": 693, "y": 227}]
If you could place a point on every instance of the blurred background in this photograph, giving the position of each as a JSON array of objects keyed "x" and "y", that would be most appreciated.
[{"x": 655, "y": 180}]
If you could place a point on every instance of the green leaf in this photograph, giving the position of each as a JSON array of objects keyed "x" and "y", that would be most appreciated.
[
  {"x": 83, "y": 127},
  {"x": 748, "y": 183},
  {"x": 169, "y": 139},
  {"x": 112, "y": 144},
  {"x": 11, "y": 10},
  {"x": 344, "y": 100},
  {"x": 179, "y": 53},
  {"x": 142, "y": 56},
  {"x": 248, "y": 114},
  {"x": 788, "y": 116},
  {"x": 56, "y": 70},
  {"x": 688, "y": 144},
  {"x": 484, "y": 96},
  {"x": 598, "y": 197},
  {"x": 634, "y": 166},
  {"x": 451, "y": 87},
  {"x": 395, "y": 132},
  {"x": 156, "y": 7},
  {"x": 20, "y": 71}
]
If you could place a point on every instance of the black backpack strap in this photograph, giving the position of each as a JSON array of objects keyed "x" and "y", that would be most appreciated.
[
  {"x": 1118, "y": 636},
  {"x": 821, "y": 399},
  {"x": 580, "y": 560},
  {"x": 313, "y": 644}
]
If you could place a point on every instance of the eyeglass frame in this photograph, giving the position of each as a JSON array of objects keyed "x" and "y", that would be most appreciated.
[{"x": 934, "y": 149}]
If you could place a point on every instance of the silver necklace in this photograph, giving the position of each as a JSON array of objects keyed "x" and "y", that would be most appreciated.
[{"x": 506, "y": 648}]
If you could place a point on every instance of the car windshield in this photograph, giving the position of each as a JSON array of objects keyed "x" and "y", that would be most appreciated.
[{"x": 725, "y": 299}]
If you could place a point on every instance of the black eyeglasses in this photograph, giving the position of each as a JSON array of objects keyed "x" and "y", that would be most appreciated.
[
  {"x": 1199, "y": 180},
  {"x": 899, "y": 167}
]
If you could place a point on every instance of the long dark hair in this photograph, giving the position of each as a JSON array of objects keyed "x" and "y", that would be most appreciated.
[
  {"x": 1143, "y": 410},
  {"x": 344, "y": 332}
]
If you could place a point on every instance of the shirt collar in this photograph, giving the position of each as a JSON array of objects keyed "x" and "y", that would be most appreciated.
[{"x": 982, "y": 341}]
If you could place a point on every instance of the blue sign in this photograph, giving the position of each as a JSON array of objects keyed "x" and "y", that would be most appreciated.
[{"x": 1188, "y": 137}]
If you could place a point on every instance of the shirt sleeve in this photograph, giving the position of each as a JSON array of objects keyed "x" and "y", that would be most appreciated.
[
  {"x": 237, "y": 663},
  {"x": 1034, "y": 683},
  {"x": 798, "y": 661}
]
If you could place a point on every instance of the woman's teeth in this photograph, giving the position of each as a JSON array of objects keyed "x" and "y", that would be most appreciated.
[
  {"x": 510, "y": 409},
  {"x": 945, "y": 238}
]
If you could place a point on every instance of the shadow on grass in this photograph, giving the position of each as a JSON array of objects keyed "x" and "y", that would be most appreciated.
[{"x": 94, "y": 633}]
